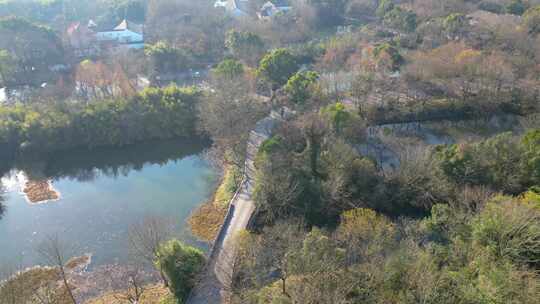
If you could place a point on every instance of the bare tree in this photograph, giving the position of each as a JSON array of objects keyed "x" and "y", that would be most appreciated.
[
  {"x": 146, "y": 236},
  {"x": 129, "y": 284},
  {"x": 55, "y": 252},
  {"x": 227, "y": 116}
]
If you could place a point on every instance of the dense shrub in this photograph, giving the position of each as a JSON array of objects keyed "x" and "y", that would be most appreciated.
[
  {"x": 491, "y": 7},
  {"x": 531, "y": 19},
  {"x": 508, "y": 228},
  {"x": 372, "y": 259},
  {"x": 400, "y": 19},
  {"x": 229, "y": 69},
  {"x": 152, "y": 114},
  {"x": 504, "y": 162},
  {"x": 181, "y": 264},
  {"x": 516, "y": 7},
  {"x": 277, "y": 67},
  {"x": 300, "y": 86}
]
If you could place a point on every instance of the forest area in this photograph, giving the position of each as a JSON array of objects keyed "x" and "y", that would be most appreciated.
[{"x": 404, "y": 166}]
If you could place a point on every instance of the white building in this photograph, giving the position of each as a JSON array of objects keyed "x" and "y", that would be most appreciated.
[
  {"x": 236, "y": 8},
  {"x": 273, "y": 7},
  {"x": 126, "y": 34}
]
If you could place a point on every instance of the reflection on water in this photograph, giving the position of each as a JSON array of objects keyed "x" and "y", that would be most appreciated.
[
  {"x": 86, "y": 165},
  {"x": 103, "y": 192}
]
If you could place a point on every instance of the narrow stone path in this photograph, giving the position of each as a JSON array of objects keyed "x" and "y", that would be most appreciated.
[{"x": 215, "y": 282}]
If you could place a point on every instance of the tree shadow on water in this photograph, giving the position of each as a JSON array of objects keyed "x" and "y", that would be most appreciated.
[{"x": 2, "y": 205}]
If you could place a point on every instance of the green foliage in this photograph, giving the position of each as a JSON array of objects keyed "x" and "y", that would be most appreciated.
[
  {"x": 530, "y": 144},
  {"x": 315, "y": 176},
  {"x": 170, "y": 300},
  {"x": 167, "y": 59},
  {"x": 516, "y": 7},
  {"x": 390, "y": 50},
  {"x": 508, "y": 228},
  {"x": 300, "y": 86},
  {"x": 496, "y": 162},
  {"x": 532, "y": 197},
  {"x": 384, "y": 7},
  {"x": 244, "y": 46},
  {"x": 445, "y": 224},
  {"x": 114, "y": 11},
  {"x": 181, "y": 264},
  {"x": 531, "y": 19},
  {"x": 372, "y": 259},
  {"x": 153, "y": 114},
  {"x": 337, "y": 115},
  {"x": 453, "y": 24},
  {"x": 29, "y": 51},
  {"x": 328, "y": 12},
  {"x": 365, "y": 234},
  {"x": 8, "y": 67},
  {"x": 229, "y": 69},
  {"x": 271, "y": 145},
  {"x": 318, "y": 252},
  {"x": 277, "y": 67},
  {"x": 106, "y": 13},
  {"x": 491, "y": 7},
  {"x": 400, "y": 19}
]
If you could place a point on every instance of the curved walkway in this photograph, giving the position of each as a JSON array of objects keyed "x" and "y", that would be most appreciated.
[{"x": 217, "y": 278}]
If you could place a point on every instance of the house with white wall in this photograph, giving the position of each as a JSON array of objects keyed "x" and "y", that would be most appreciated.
[
  {"x": 126, "y": 35},
  {"x": 235, "y": 8},
  {"x": 273, "y": 7}
]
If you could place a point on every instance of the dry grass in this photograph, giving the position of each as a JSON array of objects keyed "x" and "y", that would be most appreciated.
[
  {"x": 152, "y": 295},
  {"x": 23, "y": 287},
  {"x": 207, "y": 219}
]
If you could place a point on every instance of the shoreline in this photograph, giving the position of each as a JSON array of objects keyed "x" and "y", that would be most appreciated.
[{"x": 205, "y": 221}]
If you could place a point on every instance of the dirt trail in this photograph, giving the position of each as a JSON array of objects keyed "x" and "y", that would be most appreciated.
[{"x": 214, "y": 285}]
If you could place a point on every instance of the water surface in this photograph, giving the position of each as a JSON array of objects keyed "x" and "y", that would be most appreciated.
[{"x": 103, "y": 192}]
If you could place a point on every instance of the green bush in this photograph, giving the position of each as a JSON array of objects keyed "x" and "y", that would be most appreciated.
[
  {"x": 300, "y": 86},
  {"x": 530, "y": 144},
  {"x": 155, "y": 113},
  {"x": 509, "y": 228},
  {"x": 277, "y": 67},
  {"x": 531, "y": 18},
  {"x": 516, "y": 7},
  {"x": 453, "y": 24},
  {"x": 170, "y": 300},
  {"x": 229, "y": 69},
  {"x": 504, "y": 162},
  {"x": 491, "y": 7},
  {"x": 401, "y": 19},
  {"x": 181, "y": 264},
  {"x": 389, "y": 49},
  {"x": 384, "y": 7}
]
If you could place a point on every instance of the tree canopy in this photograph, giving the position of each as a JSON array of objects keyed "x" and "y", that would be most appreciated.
[{"x": 277, "y": 67}]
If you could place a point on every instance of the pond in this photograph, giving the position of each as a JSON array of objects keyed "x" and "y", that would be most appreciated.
[{"x": 103, "y": 192}]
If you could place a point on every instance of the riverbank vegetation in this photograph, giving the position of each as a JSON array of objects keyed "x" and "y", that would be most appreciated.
[
  {"x": 154, "y": 113},
  {"x": 206, "y": 221}
]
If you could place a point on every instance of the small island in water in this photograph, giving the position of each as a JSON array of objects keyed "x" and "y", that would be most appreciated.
[{"x": 40, "y": 191}]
